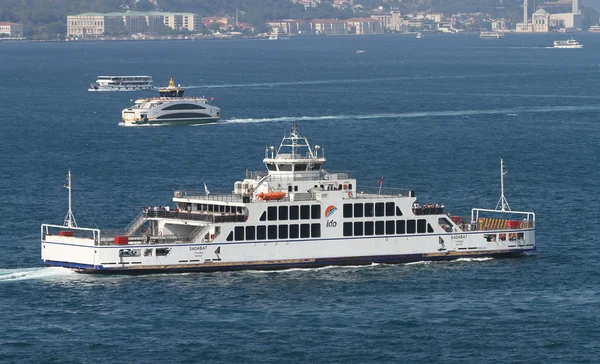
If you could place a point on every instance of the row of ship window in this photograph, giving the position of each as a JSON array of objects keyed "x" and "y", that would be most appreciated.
[
  {"x": 303, "y": 212},
  {"x": 390, "y": 227},
  {"x": 370, "y": 209},
  {"x": 273, "y": 232}
]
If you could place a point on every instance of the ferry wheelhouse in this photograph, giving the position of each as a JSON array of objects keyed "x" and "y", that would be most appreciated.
[
  {"x": 122, "y": 83},
  {"x": 171, "y": 107},
  {"x": 293, "y": 214}
]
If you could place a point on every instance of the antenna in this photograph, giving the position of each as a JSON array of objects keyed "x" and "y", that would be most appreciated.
[
  {"x": 502, "y": 203},
  {"x": 69, "y": 219}
]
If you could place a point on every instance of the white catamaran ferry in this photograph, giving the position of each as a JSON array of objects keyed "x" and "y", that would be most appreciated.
[
  {"x": 571, "y": 43},
  {"x": 122, "y": 83},
  {"x": 294, "y": 214}
]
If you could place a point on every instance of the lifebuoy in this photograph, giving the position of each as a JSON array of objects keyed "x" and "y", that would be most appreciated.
[
  {"x": 160, "y": 233},
  {"x": 178, "y": 194},
  {"x": 345, "y": 187},
  {"x": 350, "y": 194}
]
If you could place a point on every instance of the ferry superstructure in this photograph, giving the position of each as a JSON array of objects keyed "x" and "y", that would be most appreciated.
[
  {"x": 294, "y": 214},
  {"x": 171, "y": 107},
  {"x": 491, "y": 35},
  {"x": 122, "y": 83},
  {"x": 571, "y": 43}
]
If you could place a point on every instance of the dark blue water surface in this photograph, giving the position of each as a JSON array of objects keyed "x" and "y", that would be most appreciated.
[{"x": 433, "y": 115}]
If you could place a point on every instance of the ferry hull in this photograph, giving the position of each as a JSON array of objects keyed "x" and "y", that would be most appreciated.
[{"x": 173, "y": 122}]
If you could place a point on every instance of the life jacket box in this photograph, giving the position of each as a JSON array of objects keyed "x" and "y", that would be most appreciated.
[
  {"x": 121, "y": 240},
  {"x": 65, "y": 233}
]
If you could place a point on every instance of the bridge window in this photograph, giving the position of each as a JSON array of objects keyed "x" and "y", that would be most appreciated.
[
  {"x": 305, "y": 230},
  {"x": 300, "y": 167},
  {"x": 369, "y": 228},
  {"x": 239, "y": 233},
  {"x": 379, "y": 209},
  {"x": 285, "y": 167},
  {"x": 261, "y": 232},
  {"x": 272, "y": 231},
  {"x": 283, "y": 212},
  {"x": 294, "y": 213},
  {"x": 283, "y": 231},
  {"x": 315, "y": 167},
  {"x": 271, "y": 166},
  {"x": 250, "y": 233}
]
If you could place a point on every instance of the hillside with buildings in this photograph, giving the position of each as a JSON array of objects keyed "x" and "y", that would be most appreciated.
[{"x": 97, "y": 19}]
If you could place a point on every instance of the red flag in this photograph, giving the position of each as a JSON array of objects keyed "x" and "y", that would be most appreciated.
[{"x": 380, "y": 181}]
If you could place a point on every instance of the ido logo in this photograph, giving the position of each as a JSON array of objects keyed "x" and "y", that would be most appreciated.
[
  {"x": 331, "y": 223},
  {"x": 330, "y": 210}
]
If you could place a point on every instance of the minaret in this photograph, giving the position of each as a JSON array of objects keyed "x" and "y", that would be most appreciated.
[
  {"x": 575, "y": 9},
  {"x": 525, "y": 12}
]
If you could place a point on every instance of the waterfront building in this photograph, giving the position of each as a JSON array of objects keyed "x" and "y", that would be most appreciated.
[
  {"x": 364, "y": 26},
  {"x": 540, "y": 21},
  {"x": 93, "y": 25},
  {"x": 12, "y": 30}
]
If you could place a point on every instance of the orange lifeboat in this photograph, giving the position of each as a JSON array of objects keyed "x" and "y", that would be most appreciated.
[{"x": 269, "y": 196}]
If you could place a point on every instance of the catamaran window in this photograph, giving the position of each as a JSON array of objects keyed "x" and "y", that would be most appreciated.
[
  {"x": 300, "y": 167},
  {"x": 305, "y": 230},
  {"x": 369, "y": 228},
  {"x": 369, "y": 210},
  {"x": 429, "y": 228},
  {"x": 390, "y": 209},
  {"x": 239, "y": 233},
  {"x": 398, "y": 211},
  {"x": 411, "y": 226},
  {"x": 290, "y": 188},
  {"x": 272, "y": 213},
  {"x": 271, "y": 167},
  {"x": 230, "y": 236},
  {"x": 400, "y": 227},
  {"x": 315, "y": 212},
  {"x": 390, "y": 227},
  {"x": 358, "y": 228},
  {"x": 350, "y": 186},
  {"x": 184, "y": 107},
  {"x": 263, "y": 217},
  {"x": 379, "y": 227},
  {"x": 347, "y": 210},
  {"x": 283, "y": 212},
  {"x": 490, "y": 237},
  {"x": 294, "y": 231},
  {"x": 347, "y": 229},
  {"x": 294, "y": 213},
  {"x": 283, "y": 231},
  {"x": 305, "y": 212},
  {"x": 315, "y": 230},
  {"x": 358, "y": 210},
  {"x": 339, "y": 187},
  {"x": 261, "y": 232},
  {"x": 250, "y": 233},
  {"x": 520, "y": 236},
  {"x": 296, "y": 188},
  {"x": 379, "y": 209},
  {"x": 315, "y": 167},
  {"x": 272, "y": 231},
  {"x": 421, "y": 226},
  {"x": 285, "y": 167}
]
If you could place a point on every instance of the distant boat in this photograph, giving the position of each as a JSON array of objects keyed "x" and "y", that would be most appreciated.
[
  {"x": 491, "y": 35},
  {"x": 279, "y": 36},
  {"x": 571, "y": 43},
  {"x": 360, "y": 51},
  {"x": 122, "y": 83},
  {"x": 594, "y": 29},
  {"x": 419, "y": 35}
]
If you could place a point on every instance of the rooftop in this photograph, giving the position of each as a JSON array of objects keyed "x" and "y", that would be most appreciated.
[{"x": 134, "y": 13}]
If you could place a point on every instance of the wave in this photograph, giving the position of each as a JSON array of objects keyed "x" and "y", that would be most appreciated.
[
  {"x": 21, "y": 274},
  {"x": 128, "y": 125},
  {"x": 408, "y": 115},
  {"x": 482, "y": 259},
  {"x": 327, "y": 267}
]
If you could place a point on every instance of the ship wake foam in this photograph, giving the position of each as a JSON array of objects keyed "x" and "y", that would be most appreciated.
[{"x": 21, "y": 274}]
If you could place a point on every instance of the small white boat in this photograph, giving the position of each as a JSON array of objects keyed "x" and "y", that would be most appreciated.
[
  {"x": 419, "y": 35},
  {"x": 122, "y": 83},
  {"x": 360, "y": 51},
  {"x": 491, "y": 35},
  {"x": 279, "y": 36},
  {"x": 571, "y": 43}
]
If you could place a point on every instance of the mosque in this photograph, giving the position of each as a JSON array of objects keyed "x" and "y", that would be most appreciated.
[{"x": 541, "y": 20}]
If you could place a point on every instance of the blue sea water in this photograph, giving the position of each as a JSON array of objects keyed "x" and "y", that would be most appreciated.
[{"x": 433, "y": 115}]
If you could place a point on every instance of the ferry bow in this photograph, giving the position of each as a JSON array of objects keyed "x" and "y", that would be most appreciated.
[{"x": 293, "y": 214}]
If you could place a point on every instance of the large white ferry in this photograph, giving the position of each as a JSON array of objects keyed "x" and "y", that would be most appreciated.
[
  {"x": 491, "y": 35},
  {"x": 294, "y": 214},
  {"x": 171, "y": 108},
  {"x": 122, "y": 83},
  {"x": 571, "y": 43}
]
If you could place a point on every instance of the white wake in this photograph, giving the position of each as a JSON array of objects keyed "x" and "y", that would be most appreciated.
[{"x": 21, "y": 274}]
